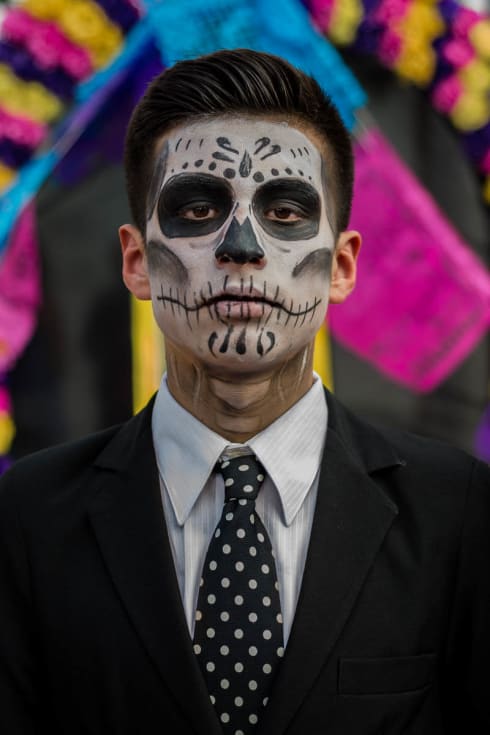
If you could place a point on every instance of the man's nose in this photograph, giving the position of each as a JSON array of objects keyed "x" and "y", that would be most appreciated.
[{"x": 240, "y": 245}]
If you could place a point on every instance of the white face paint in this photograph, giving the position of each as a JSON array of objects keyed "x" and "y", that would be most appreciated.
[{"x": 239, "y": 241}]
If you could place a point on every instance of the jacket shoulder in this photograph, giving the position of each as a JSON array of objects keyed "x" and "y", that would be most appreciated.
[{"x": 43, "y": 473}]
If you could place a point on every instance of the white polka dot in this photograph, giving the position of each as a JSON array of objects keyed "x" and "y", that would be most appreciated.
[
  {"x": 213, "y": 565},
  {"x": 224, "y": 683},
  {"x": 229, "y": 516},
  {"x": 243, "y": 467},
  {"x": 239, "y": 566},
  {"x": 198, "y": 615},
  {"x": 224, "y": 616},
  {"x": 217, "y": 533},
  {"x": 266, "y": 601},
  {"x": 252, "y": 617},
  {"x": 252, "y": 583},
  {"x": 225, "y": 582},
  {"x": 238, "y": 667},
  {"x": 210, "y": 666},
  {"x": 201, "y": 582},
  {"x": 252, "y": 519},
  {"x": 229, "y": 482},
  {"x": 225, "y": 717},
  {"x": 260, "y": 478},
  {"x": 225, "y": 463},
  {"x": 265, "y": 701},
  {"x": 239, "y": 732},
  {"x": 238, "y": 701},
  {"x": 224, "y": 650},
  {"x": 197, "y": 649},
  {"x": 243, "y": 501},
  {"x": 252, "y": 551},
  {"x": 238, "y": 633},
  {"x": 267, "y": 635},
  {"x": 252, "y": 684},
  {"x": 226, "y": 549},
  {"x": 267, "y": 668},
  {"x": 280, "y": 651},
  {"x": 276, "y": 586},
  {"x": 210, "y": 632},
  {"x": 213, "y": 700},
  {"x": 253, "y": 719},
  {"x": 211, "y": 599},
  {"x": 248, "y": 489},
  {"x": 279, "y": 618},
  {"x": 252, "y": 651},
  {"x": 261, "y": 537},
  {"x": 240, "y": 533},
  {"x": 265, "y": 569},
  {"x": 238, "y": 600}
]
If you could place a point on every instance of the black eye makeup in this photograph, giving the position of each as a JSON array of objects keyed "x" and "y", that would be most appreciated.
[
  {"x": 288, "y": 209},
  {"x": 191, "y": 205}
]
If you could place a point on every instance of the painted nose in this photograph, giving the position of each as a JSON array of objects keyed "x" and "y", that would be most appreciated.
[{"x": 240, "y": 245}]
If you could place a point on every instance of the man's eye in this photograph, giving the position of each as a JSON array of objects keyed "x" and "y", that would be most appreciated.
[
  {"x": 199, "y": 212},
  {"x": 284, "y": 214}
]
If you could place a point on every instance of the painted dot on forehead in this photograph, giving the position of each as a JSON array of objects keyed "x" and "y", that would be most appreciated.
[
  {"x": 288, "y": 171},
  {"x": 274, "y": 172},
  {"x": 212, "y": 165},
  {"x": 198, "y": 163},
  {"x": 258, "y": 176},
  {"x": 229, "y": 173},
  {"x": 184, "y": 165}
]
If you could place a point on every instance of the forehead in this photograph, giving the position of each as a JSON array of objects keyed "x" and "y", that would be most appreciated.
[{"x": 241, "y": 148}]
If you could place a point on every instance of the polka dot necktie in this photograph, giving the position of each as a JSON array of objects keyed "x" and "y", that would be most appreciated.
[{"x": 238, "y": 636}]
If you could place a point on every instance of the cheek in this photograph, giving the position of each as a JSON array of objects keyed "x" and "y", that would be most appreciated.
[
  {"x": 315, "y": 264},
  {"x": 163, "y": 261}
]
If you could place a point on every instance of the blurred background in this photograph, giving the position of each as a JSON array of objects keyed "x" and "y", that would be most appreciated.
[{"x": 412, "y": 81}]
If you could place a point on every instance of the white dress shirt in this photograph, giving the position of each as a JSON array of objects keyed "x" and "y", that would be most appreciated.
[{"x": 193, "y": 495}]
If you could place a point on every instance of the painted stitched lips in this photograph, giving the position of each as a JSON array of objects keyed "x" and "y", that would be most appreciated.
[{"x": 242, "y": 302}]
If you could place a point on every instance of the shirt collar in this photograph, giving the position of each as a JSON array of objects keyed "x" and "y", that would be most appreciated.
[{"x": 290, "y": 449}]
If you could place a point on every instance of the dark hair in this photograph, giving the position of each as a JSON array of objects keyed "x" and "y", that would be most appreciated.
[{"x": 236, "y": 81}]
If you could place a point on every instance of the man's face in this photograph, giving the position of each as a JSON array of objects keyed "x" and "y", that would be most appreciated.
[{"x": 239, "y": 241}]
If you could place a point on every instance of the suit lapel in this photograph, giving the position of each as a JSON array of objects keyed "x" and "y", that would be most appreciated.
[
  {"x": 128, "y": 521},
  {"x": 352, "y": 517}
]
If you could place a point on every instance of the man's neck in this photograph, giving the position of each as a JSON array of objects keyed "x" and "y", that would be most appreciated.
[{"x": 238, "y": 406}]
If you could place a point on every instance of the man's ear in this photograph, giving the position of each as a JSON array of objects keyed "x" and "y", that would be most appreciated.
[
  {"x": 134, "y": 262},
  {"x": 344, "y": 266}
]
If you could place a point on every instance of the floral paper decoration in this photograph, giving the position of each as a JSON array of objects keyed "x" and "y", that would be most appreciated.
[{"x": 439, "y": 45}]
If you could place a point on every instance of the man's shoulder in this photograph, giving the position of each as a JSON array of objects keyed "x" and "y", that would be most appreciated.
[
  {"x": 416, "y": 453},
  {"x": 69, "y": 469},
  {"x": 46, "y": 470}
]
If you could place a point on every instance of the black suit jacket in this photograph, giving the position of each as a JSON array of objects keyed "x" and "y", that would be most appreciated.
[{"x": 391, "y": 633}]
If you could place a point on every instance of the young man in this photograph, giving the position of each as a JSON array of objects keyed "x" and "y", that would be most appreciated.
[{"x": 244, "y": 555}]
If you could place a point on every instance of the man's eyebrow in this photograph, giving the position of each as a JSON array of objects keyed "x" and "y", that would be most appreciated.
[
  {"x": 296, "y": 189},
  {"x": 195, "y": 183}
]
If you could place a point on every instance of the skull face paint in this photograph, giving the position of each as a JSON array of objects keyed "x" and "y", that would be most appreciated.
[{"x": 239, "y": 242}]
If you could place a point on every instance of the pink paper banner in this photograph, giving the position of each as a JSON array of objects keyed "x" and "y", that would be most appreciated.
[
  {"x": 20, "y": 289},
  {"x": 423, "y": 298}
]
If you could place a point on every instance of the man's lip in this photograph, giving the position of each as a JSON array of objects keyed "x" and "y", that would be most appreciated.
[{"x": 238, "y": 294}]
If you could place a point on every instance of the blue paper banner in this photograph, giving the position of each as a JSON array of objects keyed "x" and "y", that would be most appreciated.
[{"x": 279, "y": 28}]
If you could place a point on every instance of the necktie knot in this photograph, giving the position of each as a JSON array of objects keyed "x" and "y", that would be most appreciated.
[{"x": 243, "y": 477}]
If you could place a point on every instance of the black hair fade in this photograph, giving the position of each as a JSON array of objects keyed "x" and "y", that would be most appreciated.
[{"x": 229, "y": 82}]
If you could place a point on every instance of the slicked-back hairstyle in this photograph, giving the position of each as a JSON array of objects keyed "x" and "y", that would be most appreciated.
[{"x": 226, "y": 83}]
